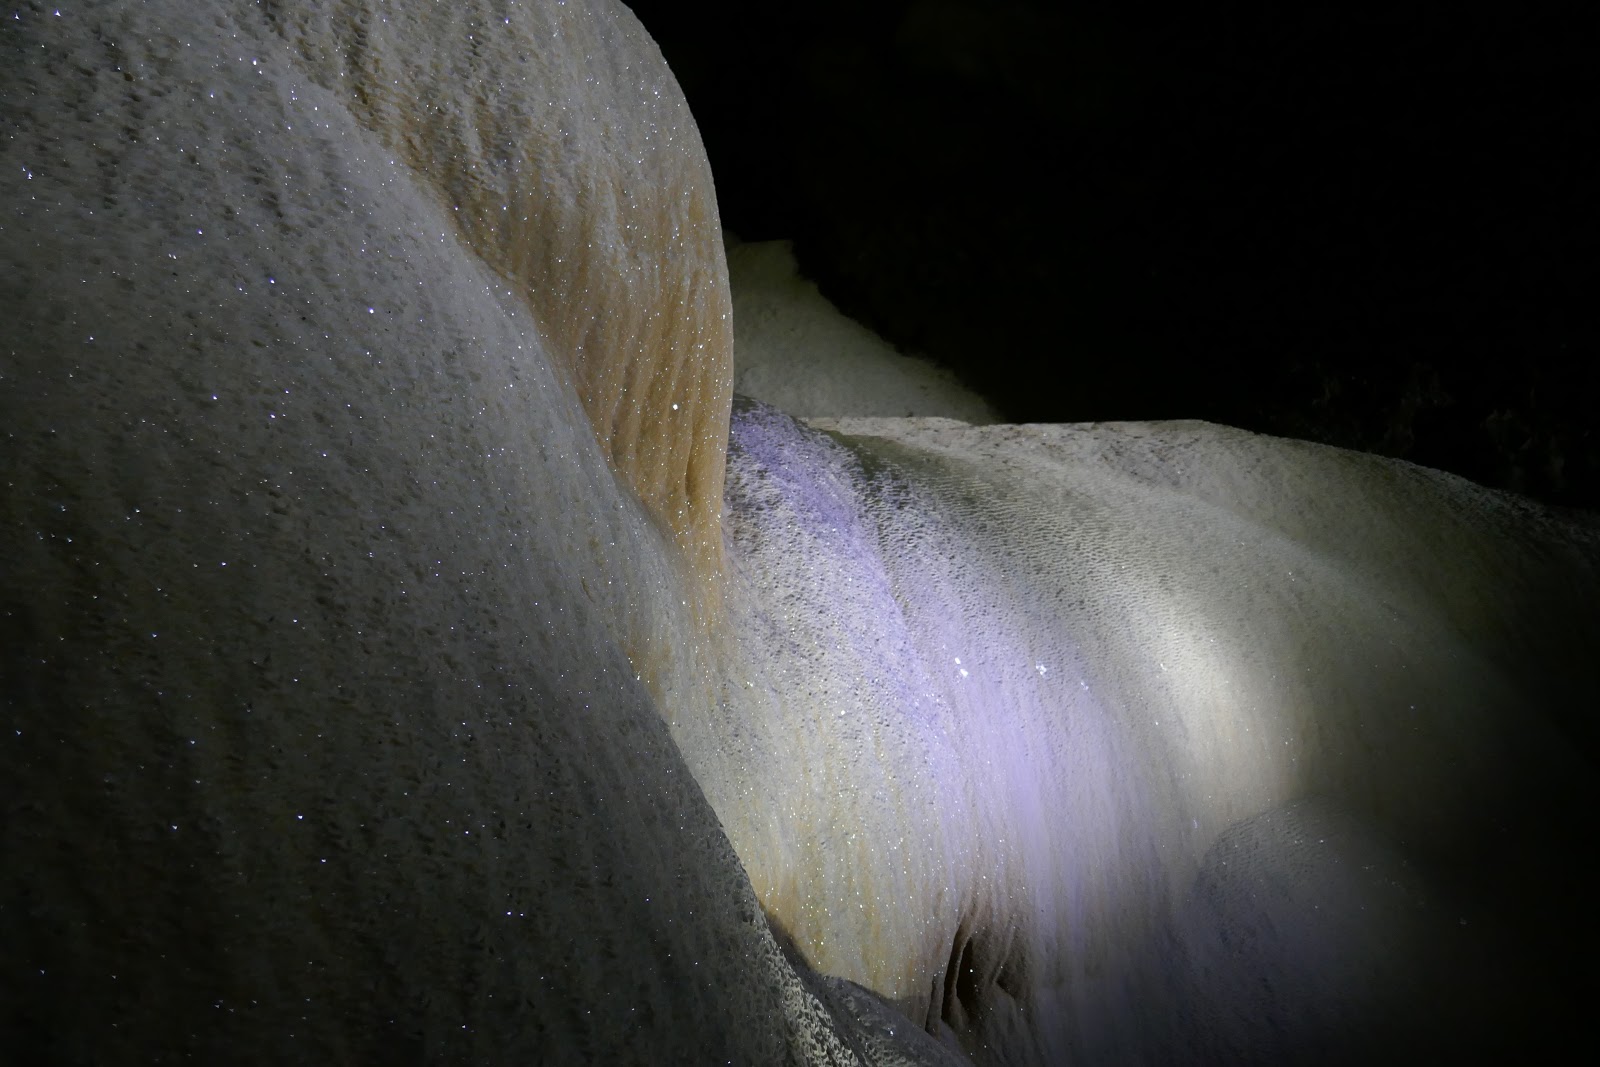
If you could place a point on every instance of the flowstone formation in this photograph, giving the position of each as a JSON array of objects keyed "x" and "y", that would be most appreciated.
[
  {"x": 346, "y": 537},
  {"x": 405, "y": 655},
  {"x": 1156, "y": 742}
]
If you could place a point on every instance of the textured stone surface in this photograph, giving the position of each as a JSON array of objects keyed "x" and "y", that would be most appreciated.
[
  {"x": 1161, "y": 742},
  {"x": 361, "y": 702},
  {"x": 322, "y": 740}
]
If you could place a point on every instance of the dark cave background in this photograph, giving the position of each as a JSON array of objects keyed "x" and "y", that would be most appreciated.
[{"x": 1366, "y": 229}]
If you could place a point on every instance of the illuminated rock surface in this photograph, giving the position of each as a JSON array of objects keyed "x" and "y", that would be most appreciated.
[
  {"x": 322, "y": 740},
  {"x": 378, "y": 683},
  {"x": 1156, "y": 741}
]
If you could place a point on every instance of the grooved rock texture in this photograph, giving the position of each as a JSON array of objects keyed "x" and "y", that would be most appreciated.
[
  {"x": 1158, "y": 742},
  {"x": 380, "y": 681},
  {"x": 563, "y": 155},
  {"x": 319, "y": 587}
]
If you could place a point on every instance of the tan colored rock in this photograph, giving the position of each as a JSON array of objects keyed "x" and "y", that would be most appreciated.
[{"x": 561, "y": 147}]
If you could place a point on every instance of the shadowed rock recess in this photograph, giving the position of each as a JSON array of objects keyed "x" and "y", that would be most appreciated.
[{"x": 409, "y": 651}]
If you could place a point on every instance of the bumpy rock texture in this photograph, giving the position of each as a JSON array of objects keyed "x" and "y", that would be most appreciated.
[
  {"x": 387, "y": 675},
  {"x": 323, "y": 742},
  {"x": 1156, "y": 741},
  {"x": 569, "y": 164}
]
